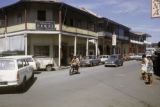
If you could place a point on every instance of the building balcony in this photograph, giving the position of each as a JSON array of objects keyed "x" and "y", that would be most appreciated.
[
  {"x": 78, "y": 31},
  {"x": 147, "y": 42},
  {"x": 108, "y": 34},
  {"x": 105, "y": 34},
  {"x": 46, "y": 26},
  {"x": 123, "y": 38},
  {"x": 137, "y": 42}
]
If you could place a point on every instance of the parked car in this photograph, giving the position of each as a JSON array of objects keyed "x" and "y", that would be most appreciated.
[
  {"x": 136, "y": 56},
  {"x": 44, "y": 62},
  {"x": 90, "y": 60},
  {"x": 114, "y": 60},
  {"x": 15, "y": 71},
  {"x": 31, "y": 62},
  {"x": 103, "y": 58}
]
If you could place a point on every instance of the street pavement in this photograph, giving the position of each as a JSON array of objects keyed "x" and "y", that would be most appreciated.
[{"x": 96, "y": 86}]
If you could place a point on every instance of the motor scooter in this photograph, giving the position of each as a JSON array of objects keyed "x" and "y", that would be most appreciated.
[
  {"x": 73, "y": 69},
  {"x": 149, "y": 78}
]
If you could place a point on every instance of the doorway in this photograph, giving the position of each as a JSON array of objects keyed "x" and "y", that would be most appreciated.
[{"x": 64, "y": 59}]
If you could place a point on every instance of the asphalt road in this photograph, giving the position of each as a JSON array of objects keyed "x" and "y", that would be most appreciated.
[{"x": 97, "y": 86}]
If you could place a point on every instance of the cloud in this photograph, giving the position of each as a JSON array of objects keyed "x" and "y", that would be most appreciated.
[
  {"x": 148, "y": 28},
  {"x": 130, "y": 7},
  {"x": 112, "y": 2},
  {"x": 116, "y": 6},
  {"x": 154, "y": 31}
]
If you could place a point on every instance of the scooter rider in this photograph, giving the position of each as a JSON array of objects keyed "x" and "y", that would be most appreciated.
[{"x": 75, "y": 63}]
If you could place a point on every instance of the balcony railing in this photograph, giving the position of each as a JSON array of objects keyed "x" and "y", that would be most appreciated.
[
  {"x": 2, "y": 23},
  {"x": 123, "y": 37},
  {"x": 137, "y": 42},
  {"x": 103, "y": 33},
  {"x": 78, "y": 30},
  {"x": 46, "y": 26}
]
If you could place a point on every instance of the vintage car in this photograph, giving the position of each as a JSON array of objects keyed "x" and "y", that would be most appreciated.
[
  {"x": 114, "y": 60},
  {"x": 44, "y": 62},
  {"x": 103, "y": 58},
  {"x": 90, "y": 60},
  {"x": 136, "y": 56}
]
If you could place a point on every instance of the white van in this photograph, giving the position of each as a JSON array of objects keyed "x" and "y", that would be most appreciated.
[
  {"x": 15, "y": 71},
  {"x": 29, "y": 59}
]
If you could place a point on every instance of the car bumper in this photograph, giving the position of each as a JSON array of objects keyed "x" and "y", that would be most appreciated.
[
  {"x": 110, "y": 64},
  {"x": 8, "y": 83}
]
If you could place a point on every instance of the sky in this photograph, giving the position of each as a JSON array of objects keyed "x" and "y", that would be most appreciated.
[{"x": 135, "y": 14}]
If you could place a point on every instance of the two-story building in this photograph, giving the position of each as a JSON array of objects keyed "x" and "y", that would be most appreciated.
[
  {"x": 108, "y": 28},
  {"x": 58, "y": 30},
  {"x": 47, "y": 28},
  {"x": 138, "y": 42}
]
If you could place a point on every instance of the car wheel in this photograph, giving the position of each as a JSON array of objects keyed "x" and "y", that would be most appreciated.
[
  {"x": 48, "y": 68},
  {"x": 23, "y": 85},
  {"x": 71, "y": 71},
  {"x": 32, "y": 77},
  {"x": 91, "y": 64},
  {"x": 116, "y": 65}
]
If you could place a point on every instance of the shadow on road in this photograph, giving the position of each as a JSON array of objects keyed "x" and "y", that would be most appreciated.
[
  {"x": 43, "y": 70},
  {"x": 37, "y": 72},
  {"x": 16, "y": 90},
  {"x": 158, "y": 78}
]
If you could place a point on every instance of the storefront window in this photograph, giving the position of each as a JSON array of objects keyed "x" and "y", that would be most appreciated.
[{"x": 41, "y": 50}]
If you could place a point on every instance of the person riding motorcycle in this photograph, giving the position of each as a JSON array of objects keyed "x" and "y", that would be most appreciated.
[{"x": 75, "y": 63}]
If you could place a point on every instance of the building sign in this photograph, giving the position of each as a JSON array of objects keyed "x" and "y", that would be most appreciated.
[
  {"x": 45, "y": 25},
  {"x": 155, "y": 8},
  {"x": 114, "y": 40}
]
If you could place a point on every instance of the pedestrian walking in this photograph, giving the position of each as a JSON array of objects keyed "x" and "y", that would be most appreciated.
[
  {"x": 149, "y": 71},
  {"x": 144, "y": 64}
]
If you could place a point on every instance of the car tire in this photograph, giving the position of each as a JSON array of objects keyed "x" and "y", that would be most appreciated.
[
  {"x": 71, "y": 71},
  {"x": 23, "y": 85},
  {"x": 32, "y": 77},
  {"x": 116, "y": 65},
  {"x": 49, "y": 68}
]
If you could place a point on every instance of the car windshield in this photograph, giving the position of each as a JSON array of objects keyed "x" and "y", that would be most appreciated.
[
  {"x": 29, "y": 59},
  {"x": 7, "y": 65},
  {"x": 105, "y": 56},
  {"x": 112, "y": 57}
]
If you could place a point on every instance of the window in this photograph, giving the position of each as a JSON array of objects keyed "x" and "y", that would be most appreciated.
[
  {"x": 25, "y": 62},
  {"x": 41, "y": 15},
  {"x": 20, "y": 64},
  {"x": 7, "y": 65},
  {"x": 121, "y": 32},
  {"x": 29, "y": 60},
  {"x": 41, "y": 50},
  {"x": 2, "y": 23},
  {"x": 19, "y": 18},
  {"x": 71, "y": 22}
]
